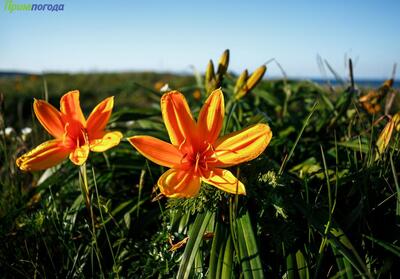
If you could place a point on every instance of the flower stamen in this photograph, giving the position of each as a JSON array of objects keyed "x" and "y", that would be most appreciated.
[
  {"x": 181, "y": 145},
  {"x": 196, "y": 167},
  {"x": 183, "y": 157}
]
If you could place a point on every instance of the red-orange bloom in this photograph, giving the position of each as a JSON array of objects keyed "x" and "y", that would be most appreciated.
[
  {"x": 196, "y": 152},
  {"x": 74, "y": 135}
]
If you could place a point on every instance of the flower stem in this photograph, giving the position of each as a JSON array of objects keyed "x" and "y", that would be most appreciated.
[
  {"x": 83, "y": 181},
  {"x": 115, "y": 266},
  {"x": 85, "y": 189}
]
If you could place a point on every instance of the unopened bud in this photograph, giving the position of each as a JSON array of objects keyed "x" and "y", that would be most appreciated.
[
  {"x": 256, "y": 77},
  {"x": 385, "y": 87},
  {"x": 240, "y": 86},
  {"x": 210, "y": 75},
  {"x": 223, "y": 63},
  {"x": 388, "y": 83},
  {"x": 210, "y": 79}
]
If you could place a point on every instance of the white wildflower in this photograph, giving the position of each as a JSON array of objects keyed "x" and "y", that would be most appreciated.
[{"x": 165, "y": 88}]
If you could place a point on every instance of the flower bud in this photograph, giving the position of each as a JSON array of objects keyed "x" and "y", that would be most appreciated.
[
  {"x": 210, "y": 80},
  {"x": 210, "y": 75},
  {"x": 256, "y": 77},
  {"x": 240, "y": 87},
  {"x": 223, "y": 63}
]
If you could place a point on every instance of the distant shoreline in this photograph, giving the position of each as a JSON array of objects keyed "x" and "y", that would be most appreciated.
[{"x": 364, "y": 82}]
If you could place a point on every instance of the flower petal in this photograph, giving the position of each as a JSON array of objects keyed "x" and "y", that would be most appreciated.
[
  {"x": 110, "y": 139},
  {"x": 179, "y": 184},
  {"x": 157, "y": 151},
  {"x": 99, "y": 117},
  {"x": 177, "y": 117},
  {"x": 211, "y": 116},
  {"x": 79, "y": 155},
  {"x": 224, "y": 180},
  {"x": 396, "y": 120},
  {"x": 385, "y": 136},
  {"x": 49, "y": 117},
  {"x": 71, "y": 108},
  {"x": 44, "y": 156},
  {"x": 241, "y": 146}
]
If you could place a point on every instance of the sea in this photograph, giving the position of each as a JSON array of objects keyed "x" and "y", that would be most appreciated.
[{"x": 370, "y": 83}]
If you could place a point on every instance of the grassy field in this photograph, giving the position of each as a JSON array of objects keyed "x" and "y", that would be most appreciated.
[{"x": 323, "y": 200}]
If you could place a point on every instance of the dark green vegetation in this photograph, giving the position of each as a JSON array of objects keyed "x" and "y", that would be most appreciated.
[{"x": 321, "y": 201}]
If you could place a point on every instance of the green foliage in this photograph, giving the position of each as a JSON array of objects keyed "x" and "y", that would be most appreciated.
[{"x": 320, "y": 201}]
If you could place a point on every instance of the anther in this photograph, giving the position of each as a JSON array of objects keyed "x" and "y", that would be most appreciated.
[
  {"x": 184, "y": 156},
  {"x": 181, "y": 145},
  {"x": 197, "y": 162}
]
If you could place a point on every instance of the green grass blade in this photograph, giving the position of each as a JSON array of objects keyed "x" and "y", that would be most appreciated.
[
  {"x": 302, "y": 265},
  {"x": 388, "y": 246},
  {"x": 306, "y": 121},
  {"x": 344, "y": 266},
  {"x": 217, "y": 245},
  {"x": 396, "y": 182},
  {"x": 227, "y": 264},
  {"x": 220, "y": 262},
  {"x": 250, "y": 251},
  {"x": 340, "y": 241},
  {"x": 195, "y": 236},
  {"x": 243, "y": 256},
  {"x": 290, "y": 268}
]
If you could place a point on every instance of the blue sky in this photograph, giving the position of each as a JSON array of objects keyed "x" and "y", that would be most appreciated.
[{"x": 173, "y": 35}]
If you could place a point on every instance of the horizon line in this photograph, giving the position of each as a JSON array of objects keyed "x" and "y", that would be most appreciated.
[{"x": 331, "y": 77}]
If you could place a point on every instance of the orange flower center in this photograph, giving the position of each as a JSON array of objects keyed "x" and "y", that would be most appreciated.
[
  {"x": 75, "y": 135},
  {"x": 197, "y": 158}
]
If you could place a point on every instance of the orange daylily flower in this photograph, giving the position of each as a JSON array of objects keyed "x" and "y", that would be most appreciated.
[
  {"x": 74, "y": 136},
  {"x": 196, "y": 154}
]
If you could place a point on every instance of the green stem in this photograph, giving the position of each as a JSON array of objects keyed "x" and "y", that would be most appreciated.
[
  {"x": 115, "y": 267},
  {"x": 83, "y": 181}
]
